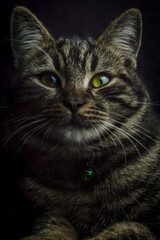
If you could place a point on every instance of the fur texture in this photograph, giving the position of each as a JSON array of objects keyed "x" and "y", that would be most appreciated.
[{"x": 89, "y": 156}]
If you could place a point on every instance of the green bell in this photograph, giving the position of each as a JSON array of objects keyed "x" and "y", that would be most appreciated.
[{"x": 87, "y": 175}]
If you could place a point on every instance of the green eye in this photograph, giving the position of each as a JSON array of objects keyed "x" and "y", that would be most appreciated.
[
  {"x": 49, "y": 80},
  {"x": 99, "y": 81}
]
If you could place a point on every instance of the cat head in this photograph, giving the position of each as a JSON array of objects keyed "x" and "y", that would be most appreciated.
[{"x": 76, "y": 86}]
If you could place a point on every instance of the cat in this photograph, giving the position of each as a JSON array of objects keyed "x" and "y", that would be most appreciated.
[{"x": 84, "y": 132}]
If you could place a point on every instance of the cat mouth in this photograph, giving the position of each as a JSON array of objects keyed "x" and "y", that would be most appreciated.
[{"x": 73, "y": 123}]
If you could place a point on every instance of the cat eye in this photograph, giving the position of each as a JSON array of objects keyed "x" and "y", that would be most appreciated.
[
  {"x": 50, "y": 80},
  {"x": 99, "y": 80}
]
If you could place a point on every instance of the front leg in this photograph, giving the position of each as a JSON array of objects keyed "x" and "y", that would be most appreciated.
[
  {"x": 126, "y": 231},
  {"x": 53, "y": 229}
]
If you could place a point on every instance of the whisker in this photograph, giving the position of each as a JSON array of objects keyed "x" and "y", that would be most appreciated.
[
  {"x": 30, "y": 133},
  {"x": 105, "y": 130},
  {"x": 157, "y": 103},
  {"x": 124, "y": 134},
  {"x": 151, "y": 103},
  {"x": 19, "y": 119},
  {"x": 124, "y": 124},
  {"x": 137, "y": 141},
  {"x": 84, "y": 144},
  {"x": 100, "y": 139},
  {"x": 53, "y": 148},
  {"x": 120, "y": 142},
  {"x": 48, "y": 131},
  {"x": 135, "y": 124},
  {"x": 14, "y": 133},
  {"x": 10, "y": 121}
]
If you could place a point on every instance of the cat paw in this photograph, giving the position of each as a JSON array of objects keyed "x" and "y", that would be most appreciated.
[
  {"x": 125, "y": 231},
  {"x": 53, "y": 229}
]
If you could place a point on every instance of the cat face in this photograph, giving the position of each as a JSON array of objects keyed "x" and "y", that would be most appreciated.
[{"x": 72, "y": 90}]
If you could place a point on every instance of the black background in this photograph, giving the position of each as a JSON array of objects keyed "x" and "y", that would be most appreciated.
[{"x": 87, "y": 18}]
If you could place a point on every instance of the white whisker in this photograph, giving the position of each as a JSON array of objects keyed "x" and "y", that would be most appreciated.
[
  {"x": 124, "y": 151},
  {"x": 135, "y": 124},
  {"x": 97, "y": 133},
  {"x": 106, "y": 131},
  {"x": 48, "y": 131},
  {"x": 14, "y": 133},
  {"x": 125, "y": 125},
  {"x": 124, "y": 134},
  {"x": 30, "y": 133}
]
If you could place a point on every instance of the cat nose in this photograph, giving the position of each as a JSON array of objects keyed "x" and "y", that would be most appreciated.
[{"x": 74, "y": 104}]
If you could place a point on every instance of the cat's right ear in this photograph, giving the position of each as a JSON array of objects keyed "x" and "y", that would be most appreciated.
[
  {"x": 27, "y": 32},
  {"x": 124, "y": 33}
]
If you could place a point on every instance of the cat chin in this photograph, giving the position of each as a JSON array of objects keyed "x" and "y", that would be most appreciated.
[{"x": 77, "y": 136}]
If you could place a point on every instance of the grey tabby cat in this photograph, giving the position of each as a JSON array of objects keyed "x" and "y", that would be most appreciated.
[{"x": 85, "y": 133}]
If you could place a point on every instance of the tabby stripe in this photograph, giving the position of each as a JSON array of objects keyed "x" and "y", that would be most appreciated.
[
  {"x": 115, "y": 97},
  {"x": 83, "y": 62},
  {"x": 125, "y": 79},
  {"x": 95, "y": 113},
  {"x": 98, "y": 107},
  {"x": 145, "y": 196},
  {"x": 111, "y": 90},
  {"x": 94, "y": 63},
  {"x": 56, "y": 62},
  {"x": 60, "y": 44},
  {"x": 131, "y": 157},
  {"x": 88, "y": 52},
  {"x": 40, "y": 58},
  {"x": 74, "y": 53},
  {"x": 124, "y": 104},
  {"x": 63, "y": 57}
]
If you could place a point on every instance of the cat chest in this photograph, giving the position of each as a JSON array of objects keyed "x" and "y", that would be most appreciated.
[{"x": 84, "y": 210}]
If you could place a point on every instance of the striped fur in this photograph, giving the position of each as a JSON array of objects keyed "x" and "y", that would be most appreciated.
[{"x": 113, "y": 130}]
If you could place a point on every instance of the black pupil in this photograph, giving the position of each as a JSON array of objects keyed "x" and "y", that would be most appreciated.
[{"x": 101, "y": 81}]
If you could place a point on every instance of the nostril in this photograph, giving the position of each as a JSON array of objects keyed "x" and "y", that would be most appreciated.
[{"x": 73, "y": 104}]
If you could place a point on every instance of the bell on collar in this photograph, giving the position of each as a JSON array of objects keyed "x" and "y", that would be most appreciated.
[{"x": 87, "y": 175}]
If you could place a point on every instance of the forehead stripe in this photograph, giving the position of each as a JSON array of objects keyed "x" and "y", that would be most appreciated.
[
  {"x": 94, "y": 62},
  {"x": 56, "y": 62}
]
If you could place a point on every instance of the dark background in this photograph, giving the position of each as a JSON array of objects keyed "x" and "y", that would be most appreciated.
[{"x": 87, "y": 18}]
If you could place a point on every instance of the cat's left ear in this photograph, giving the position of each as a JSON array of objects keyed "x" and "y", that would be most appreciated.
[
  {"x": 124, "y": 33},
  {"x": 27, "y": 32}
]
